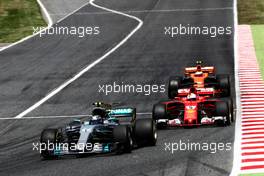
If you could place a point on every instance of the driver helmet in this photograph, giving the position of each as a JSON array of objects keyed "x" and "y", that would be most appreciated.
[
  {"x": 199, "y": 71},
  {"x": 96, "y": 119},
  {"x": 192, "y": 94}
]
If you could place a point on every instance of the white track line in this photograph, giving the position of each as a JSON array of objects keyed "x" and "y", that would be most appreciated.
[
  {"x": 258, "y": 129},
  {"x": 252, "y": 113},
  {"x": 246, "y": 69},
  {"x": 154, "y": 11},
  {"x": 250, "y": 72},
  {"x": 253, "y": 135},
  {"x": 252, "y": 156},
  {"x": 254, "y": 99},
  {"x": 255, "y": 82},
  {"x": 251, "y": 140},
  {"x": 253, "y": 164},
  {"x": 46, "y": 13},
  {"x": 255, "y": 90},
  {"x": 87, "y": 68},
  {"x": 252, "y": 116},
  {"x": 238, "y": 133},
  {"x": 251, "y": 86},
  {"x": 61, "y": 116},
  {"x": 254, "y": 131},
  {"x": 251, "y": 171},
  {"x": 253, "y": 109},
  {"x": 253, "y": 106},
  {"x": 252, "y": 145},
  {"x": 252, "y": 150},
  {"x": 256, "y": 119}
]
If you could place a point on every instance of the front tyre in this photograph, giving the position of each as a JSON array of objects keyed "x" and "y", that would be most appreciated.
[
  {"x": 174, "y": 85},
  {"x": 146, "y": 132},
  {"x": 49, "y": 139},
  {"x": 231, "y": 109},
  {"x": 122, "y": 135}
]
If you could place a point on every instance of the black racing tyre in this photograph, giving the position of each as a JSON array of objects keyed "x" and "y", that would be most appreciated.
[
  {"x": 224, "y": 84},
  {"x": 174, "y": 85},
  {"x": 222, "y": 109},
  {"x": 210, "y": 81},
  {"x": 187, "y": 82},
  {"x": 146, "y": 132},
  {"x": 159, "y": 111},
  {"x": 49, "y": 137},
  {"x": 231, "y": 109},
  {"x": 122, "y": 135}
]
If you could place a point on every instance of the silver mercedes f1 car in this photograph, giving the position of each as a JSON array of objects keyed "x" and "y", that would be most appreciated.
[{"x": 107, "y": 130}]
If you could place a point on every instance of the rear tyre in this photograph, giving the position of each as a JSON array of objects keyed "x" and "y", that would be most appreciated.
[
  {"x": 224, "y": 84},
  {"x": 174, "y": 85},
  {"x": 231, "y": 109},
  {"x": 187, "y": 82},
  {"x": 49, "y": 138},
  {"x": 209, "y": 82},
  {"x": 122, "y": 135},
  {"x": 146, "y": 132},
  {"x": 222, "y": 109}
]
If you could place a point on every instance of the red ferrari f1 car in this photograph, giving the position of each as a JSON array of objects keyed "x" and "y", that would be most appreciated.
[
  {"x": 203, "y": 79},
  {"x": 193, "y": 110}
]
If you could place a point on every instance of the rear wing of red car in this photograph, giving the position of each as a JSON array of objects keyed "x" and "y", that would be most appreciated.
[
  {"x": 209, "y": 69},
  {"x": 199, "y": 91}
]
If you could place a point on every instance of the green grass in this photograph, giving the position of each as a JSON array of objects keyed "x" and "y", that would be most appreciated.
[
  {"x": 259, "y": 174},
  {"x": 17, "y": 17},
  {"x": 251, "y": 11},
  {"x": 258, "y": 36}
]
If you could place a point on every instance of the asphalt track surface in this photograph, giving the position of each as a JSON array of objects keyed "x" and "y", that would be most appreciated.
[
  {"x": 30, "y": 70},
  {"x": 60, "y": 8}
]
